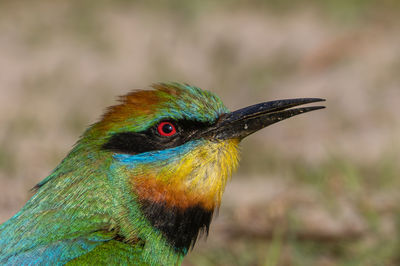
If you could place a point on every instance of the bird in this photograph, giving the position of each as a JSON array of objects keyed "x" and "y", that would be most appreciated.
[{"x": 141, "y": 184}]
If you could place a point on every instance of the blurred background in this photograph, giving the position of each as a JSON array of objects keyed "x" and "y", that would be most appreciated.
[{"x": 319, "y": 189}]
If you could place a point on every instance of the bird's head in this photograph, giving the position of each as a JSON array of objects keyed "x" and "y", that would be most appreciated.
[
  {"x": 161, "y": 138},
  {"x": 178, "y": 146}
]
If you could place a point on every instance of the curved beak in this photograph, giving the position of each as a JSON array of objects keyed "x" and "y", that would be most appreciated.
[{"x": 243, "y": 122}]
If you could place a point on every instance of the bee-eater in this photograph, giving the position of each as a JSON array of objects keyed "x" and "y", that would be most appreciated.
[{"x": 141, "y": 184}]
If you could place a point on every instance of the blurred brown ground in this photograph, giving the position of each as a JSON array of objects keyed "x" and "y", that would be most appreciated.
[{"x": 320, "y": 189}]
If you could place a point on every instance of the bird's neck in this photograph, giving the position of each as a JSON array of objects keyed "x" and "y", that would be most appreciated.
[
  {"x": 166, "y": 200},
  {"x": 177, "y": 190}
]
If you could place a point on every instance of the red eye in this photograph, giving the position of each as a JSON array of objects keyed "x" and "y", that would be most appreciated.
[{"x": 166, "y": 129}]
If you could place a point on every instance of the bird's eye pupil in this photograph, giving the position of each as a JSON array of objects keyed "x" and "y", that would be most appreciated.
[{"x": 166, "y": 129}]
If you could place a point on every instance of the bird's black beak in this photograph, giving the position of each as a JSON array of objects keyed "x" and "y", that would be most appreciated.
[{"x": 243, "y": 122}]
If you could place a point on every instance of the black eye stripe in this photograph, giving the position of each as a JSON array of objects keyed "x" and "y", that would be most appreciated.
[{"x": 151, "y": 140}]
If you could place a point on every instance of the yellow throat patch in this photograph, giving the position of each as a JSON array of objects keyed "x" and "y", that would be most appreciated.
[{"x": 199, "y": 178}]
